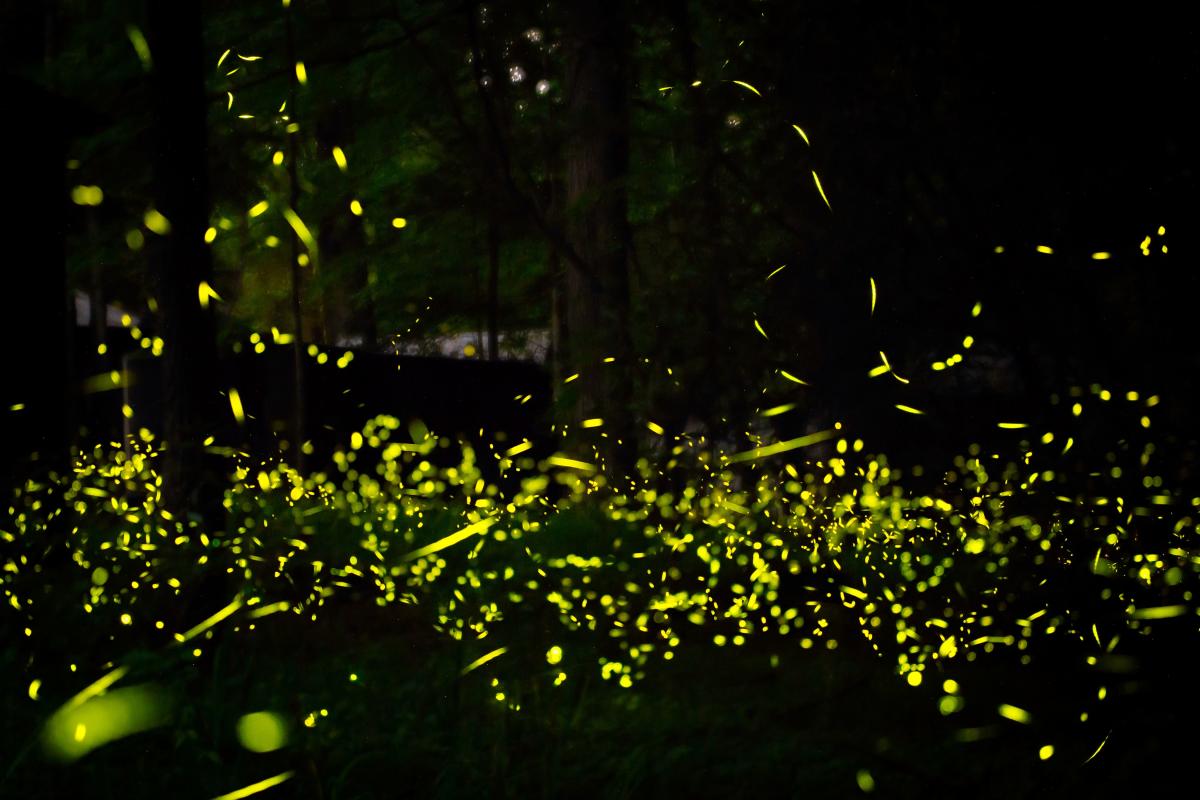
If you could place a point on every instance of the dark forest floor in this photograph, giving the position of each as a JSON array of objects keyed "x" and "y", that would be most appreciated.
[{"x": 714, "y": 722}]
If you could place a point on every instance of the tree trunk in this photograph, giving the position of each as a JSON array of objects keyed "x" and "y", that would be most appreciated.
[
  {"x": 97, "y": 305},
  {"x": 182, "y": 259},
  {"x": 33, "y": 395},
  {"x": 493, "y": 287},
  {"x": 597, "y": 164},
  {"x": 557, "y": 357},
  {"x": 299, "y": 421},
  {"x": 708, "y": 253}
]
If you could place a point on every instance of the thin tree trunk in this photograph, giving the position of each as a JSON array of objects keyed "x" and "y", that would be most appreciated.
[{"x": 96, "y": 302}]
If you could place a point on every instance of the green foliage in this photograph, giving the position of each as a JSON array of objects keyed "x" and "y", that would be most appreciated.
[{"x": 553, "y": 602}]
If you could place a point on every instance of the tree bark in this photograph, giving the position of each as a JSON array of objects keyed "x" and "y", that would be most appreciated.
[
  {"x": 182, "y": 259},
  {"x": 299, "y": 421},
  {"x": 559, "y": 341},
  {"x": 33, "y": 395},
  {"x": 597, "y": 165},
  {"x": 97, "y": 305},
  {"x": 709, "y": 256},
  {"x": 493, "y": 287}
]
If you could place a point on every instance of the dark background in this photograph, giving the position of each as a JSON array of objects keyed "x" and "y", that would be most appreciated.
[
  {"x": 952, "y": 140},
  {"x": 940, "y": 134}
]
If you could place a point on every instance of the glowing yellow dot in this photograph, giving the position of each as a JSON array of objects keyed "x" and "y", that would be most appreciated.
[
  {"x": 1014, "y": 713},
  {"x": 155, "y": 222},
  {"x": 469, "y": 351},
  {"x": 865, "y": 782},
  {"x": 356, "y": 208},
  {"x": 277, "y": 158},
  {"x": 554, "y": 655},
  {"x": 950, "y": 704},
  {"x": 950, "y": 686},
  {"x": 301, "y": 73},
  {"x": 399, "y": 222},
  {"x": 126, "y": 619},
  {"x": 914, "y": 678},
  {"x": 262, "y": 732},
  {"x": 87, "y": 196},
  {"x": 210, "y": 235},
  {"x": 1046, "y": 752}
]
